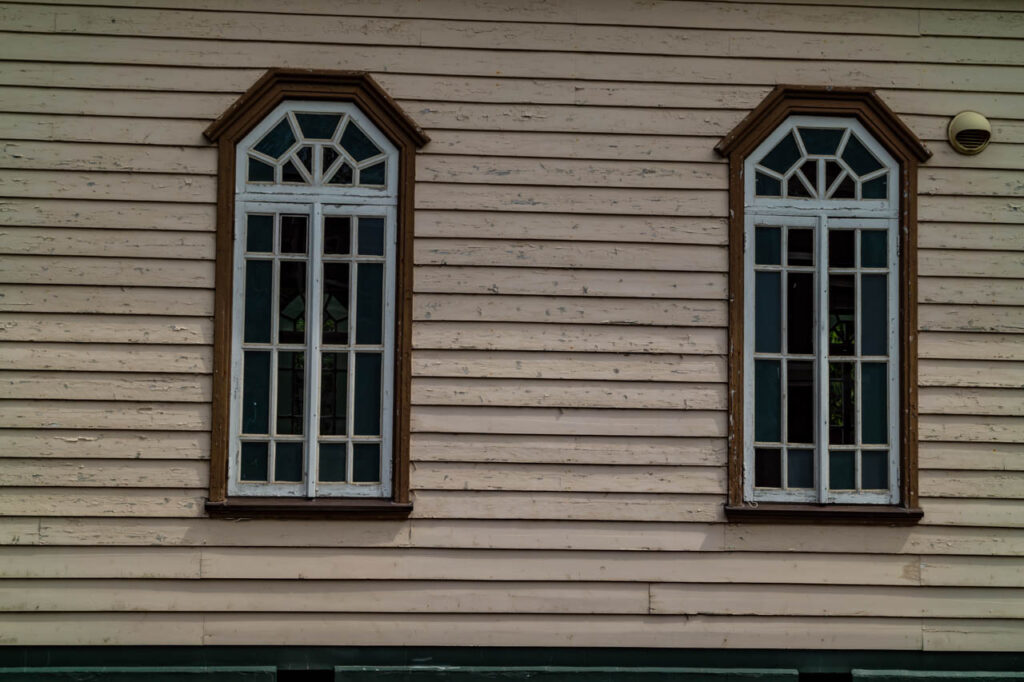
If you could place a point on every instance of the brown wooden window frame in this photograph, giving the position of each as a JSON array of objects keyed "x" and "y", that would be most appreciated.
[
  {"x": 273, "y": 88},
  {"x": 864, "y": 105}
]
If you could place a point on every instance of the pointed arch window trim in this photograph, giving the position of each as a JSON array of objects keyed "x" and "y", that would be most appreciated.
[{"x": 322, "y": 87}]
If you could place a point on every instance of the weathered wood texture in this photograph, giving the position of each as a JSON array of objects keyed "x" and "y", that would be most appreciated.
[{"x": 570, "y": 383}]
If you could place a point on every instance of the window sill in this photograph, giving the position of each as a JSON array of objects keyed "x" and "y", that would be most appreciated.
[
  {"x": 819, "y": 514},
  {"x": 323, "y": 508}
]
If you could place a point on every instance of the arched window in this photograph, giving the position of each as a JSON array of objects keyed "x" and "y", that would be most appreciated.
[
  {"x": 823, "y": 353},
  {"x": 313, "y": 268}
]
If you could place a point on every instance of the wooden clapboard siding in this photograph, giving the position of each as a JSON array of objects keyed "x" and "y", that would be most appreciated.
[{"x": 570, "y": 379}]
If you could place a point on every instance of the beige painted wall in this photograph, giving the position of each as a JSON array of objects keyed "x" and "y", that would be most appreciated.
[{"x": 570, "y": 258}]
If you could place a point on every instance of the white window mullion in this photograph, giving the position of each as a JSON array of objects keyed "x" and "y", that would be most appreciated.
[
  {"x": 313, "y": 326},
  {"x": 821, "y": 353},
  {"x": 893, "y": 367}
]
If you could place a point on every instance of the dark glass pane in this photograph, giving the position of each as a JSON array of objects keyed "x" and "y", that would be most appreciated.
[
  {"x": 767, "y": 401},
  {"x": 374, "y": 175},
  {"x": 795, "y": 188},
  {"x": 371, "y": 236},
  {"x": 259, "y": 233},
  {"x": 343, "y": 176},
  {"x": 783, "y": 156},
  {"x": 847, "y": 189},
  {"x": 800, "y": 249},
  {"x": 357, "y": 144},
  {"x": 328, "y": 155},
  {"x": 858, "y": 158},
  {"x": 767, "y": 312},
  {"x": 840, "y": 248},
  {"x": 293, "y": 234},
  {"x": 369, "y": 303},
  {"x": 877, "y": 188},
  {"x": 800, "y": 407},
  {"x": 800, "y": 465},
  {"x": 332, "y": 462},
  {"x": 277, "y": 141},
  {"x": 337, "y": 237},
  {"x": 291, "y": 375},
  {"x": 254, "y": 462},
  {"x": 256, "y": 392},
  {"x": 767, "y": 186},
  {"x": 767, "y": 246},
  {"x": 832, "y": 172},
  {"x": 366, "y": 421},
  {"x": 874, "y": 469},
  {"x": 822, "y": 141},
  {"x": 259, "y": 171},
  {"x": 288, "y": 462},
  {"x": 258, "y": 292},
  {"x": 289, "y": 173},
  {"x": 292, "y": 319},
  {"x": 874, "y": 406},
  {"x": 366, "y": 462},
  {"x": 842, "y": 405},
  {"x": 875, "y": 309},
  {"x": 842, "y": 322},
  {"x": 767, "y": 468},
  {"x": 841, "y": 469},
  {"x": 305, "y": 156},
  {"x": 318, "y": 126},
  {"x": 800, "y": 313},
  {"x": 810, "y": 171},
  {"x": 335, "y": 327},
  {"x": 334, "y": 394},
  {"x": 873, "y": 249}
]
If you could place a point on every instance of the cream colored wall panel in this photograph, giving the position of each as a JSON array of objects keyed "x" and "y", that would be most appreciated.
[
  {"x": 117, "y": 103},
  {"x": 569, "y": 282},
  {"x": 528, "y": 199},
  {"x": 569, "y": 254},
  {"x": 921, "y": 539},
  {"x": 970, "y": 182},
  {"x": 567, "y": 338},
  {"x": 601, "y": 366},
  {"x": 557, "y": 477},
  {"x": 18, "y": 531},
  {"x": 322, "y": 596},
  {"x": 970, "y": 571},
  {"x": 970, "y": 346},
  {"x": 438, "y": 564},
  {"x": 67, "y": 414},
  {"x": 962, "y": 23},
  {"x": 546, "y": 173},
  {"x": 553, "y": 393},
  {"x": 971, "y": 373},
  {"x": 967, "y": 456},
  {"x": 227, "y": 533},
  {"x": 99, "y": 562},
  {"x": 98, "y": 502},
  {"x": 997, "y": 484},
  {"x": 103, "y": 629},
  {"x": 833, "y": 600},
  {"x": 127, "y": 77},
  {"x": 95, "y": 299},
  {"x": 972, "y": 429},
  {"x": 449, "y": 504},
  {"x": 961, "y": 263},
  {"x": 964, "y": 318},
  {"x": 970, "y": 291},
  {"x": 107, "y": 214},
  {"x": 996, "y": 155},
  {"x": 556, "y": 145},
  {"x": 138, "y": 272},
  {"x": 578, "y": 310},
  {"x": 57, "y": 443},
  {"x": 79, "y": 357},
  {"x": 103, "y": 473},
  {"x": 107, "y": 186},
  {"x": 938, "y": 235},
  {"x": 54, "y": 241},
  {"x": 972, "y": 210},
  {"x": 73, "y": 328},
  {"x": 570, "y": 422},
  {"x": 37, "y": 155},
  {"x": 959, "y": 511},
  {"x": 980, "y": 401},
  {"x": 51, "y": 126},
  {"x": 29, "y": 385},
  {"x": 960, "y": 635}
]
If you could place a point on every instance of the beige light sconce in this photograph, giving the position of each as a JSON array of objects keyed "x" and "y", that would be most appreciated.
[{"x": 969, "y": 132}]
